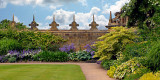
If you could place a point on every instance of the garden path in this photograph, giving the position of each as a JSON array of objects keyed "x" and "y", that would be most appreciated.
[{"x": 92, "y": 71}]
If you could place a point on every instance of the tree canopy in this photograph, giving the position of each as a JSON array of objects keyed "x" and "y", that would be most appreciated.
[{"x": 145, "y": 13}]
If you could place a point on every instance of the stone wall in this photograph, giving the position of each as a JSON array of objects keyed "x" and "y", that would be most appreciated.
[{"x": 80, "y": 38}]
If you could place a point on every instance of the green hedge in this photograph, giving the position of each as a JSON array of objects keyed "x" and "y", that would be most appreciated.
[
  {"x": 48, "y": 56},
  {"x": 33, "y": 40},
  {"x": 8, "y": 44}
]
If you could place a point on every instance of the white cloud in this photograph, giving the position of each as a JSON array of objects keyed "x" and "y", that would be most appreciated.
[
  {"x": 64, "y": 18},
  {"x": 3, "y": 4},
  {"x": 43, "y": 26},
  {"x": 95, "y": 10},
  {"x": 16, "y": 19},
  {"x": 84, "y": 2},
  {"x": 102, "y": 21},
  {"x": 116, "y": 7},
  {"x": 53, "y": 4}
]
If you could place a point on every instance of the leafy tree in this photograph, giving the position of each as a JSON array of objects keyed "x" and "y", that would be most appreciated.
[
  {"x": 4, "y": 24},
  {"x": 112, "y": 44},
  {"x": 145, "y": 13},
  {"x": 20, "y": 26}
]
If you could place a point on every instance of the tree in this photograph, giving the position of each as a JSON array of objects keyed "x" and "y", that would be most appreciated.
[
  {"x": 112, "y": 44},
  {"x": 4, "y": 24},
  {"x": 147, "y": 14}
]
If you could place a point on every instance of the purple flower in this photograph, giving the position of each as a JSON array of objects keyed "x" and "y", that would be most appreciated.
[
  {"x": 99, "y": 62},
  {"x": 92, "y": 53},
  {"x": 88, "y": 48},
  {"x": 67, "y": 48}
]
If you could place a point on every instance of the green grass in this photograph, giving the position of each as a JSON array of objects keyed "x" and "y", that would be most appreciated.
[{"x": 41, "y": 72}]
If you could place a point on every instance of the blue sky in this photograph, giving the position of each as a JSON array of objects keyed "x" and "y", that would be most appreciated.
[{"x": 62, "y": 9}]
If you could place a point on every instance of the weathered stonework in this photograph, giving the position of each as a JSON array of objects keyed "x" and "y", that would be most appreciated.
[
  {"x": 13, "y": 23},
  {"x": 74, "y": 25},
  {"x": 79, "y": 38},
  {"x": 118, "y": 20},
  {"x": 93, "y": 25},
  {"x": 34, "y": 24},
  {"x": 54, "y": 25}
]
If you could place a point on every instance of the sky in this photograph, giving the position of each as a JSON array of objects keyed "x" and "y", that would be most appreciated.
[{"x": 63, "y": 11}]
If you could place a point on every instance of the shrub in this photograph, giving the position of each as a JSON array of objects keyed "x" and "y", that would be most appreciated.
[
  {"x": 33, "y": 40},
  {"x": 12, "y": 59},
  {"x": 8, "y": 44},
  {"x": 83, "y": 55},
  {"x": 150, "y": 76},
  {"x": 135, "y": 50},
  {"x": 111, "y": 71},
  {"x": 49, "y": 56},
  {"x": 127, "y": 68},
  {"x": 36, "y": 40},
  {"x": 90, "y": 49},
  {"x": 136, "y": 74},
  {"x": 112, "y": 44},
  {"x": 153, "y": 56},
  {"x": 3, "y": 59},
  {"x": 80, "y": 56},
  {"x": 23, "y": 55},
  {"x": 73, "y": 56},
  {"x": 106, "y": 64}
]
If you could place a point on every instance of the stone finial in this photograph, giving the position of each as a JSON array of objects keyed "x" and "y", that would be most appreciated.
[
  {"x": 93, "y": 17},
  {"x": 34, "y": 24},
  {"x": 74, "y": 24},
  {"x": 74, "y": 19},
  {"x": 110, "y": 18},
  {"x": 13, "y": 23},
  {"x": 13, "y": 17},
  {"x": 54, "y": 18},
  {"x": 93, "y": 25},
  {"x": 54, "y": 25},
  {"x": 33, "y": 18}
]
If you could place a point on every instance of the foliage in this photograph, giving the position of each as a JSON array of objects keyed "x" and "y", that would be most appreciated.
[
  {"x": 90, "y": 49},
  {"x": 150, "y": 76},
  {"x": 8, "y": 44},
  {"x": 140, "y": 10},
  {"x": 20, "y": 26},
  {"x": 33, "y": 40},
  {"x": 19, "y": 55},
  {"x": 68, "y": 48},
  {"x": 83, "y": 55},
  {"x": 153, "y": 56},
  {"x": 138, "y": 49},
  {"x": 49, "y": 56},
  {"x": 111, "y": 71},
  {"x": 147, "y": 14},
  {"x": 127, "y": 68},
  {"x": 3, "y": 59},
  {"x": 111, "y": 44},
  {"x": 12, "y": 59},
  {"x": 106, "y": 64},
  {"x": 73, "y": 56},
  {"x": 24, "y": 55},
  {"x": 5, "y": 24},
  {"x": 80, "y": 56},
  {"x": 136, "y": 74}
]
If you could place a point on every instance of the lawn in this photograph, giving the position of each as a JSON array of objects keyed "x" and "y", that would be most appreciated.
[{"x": 41, "y": 72}]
